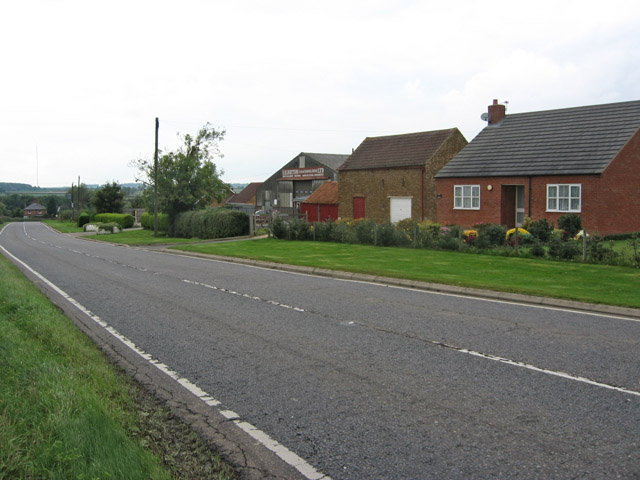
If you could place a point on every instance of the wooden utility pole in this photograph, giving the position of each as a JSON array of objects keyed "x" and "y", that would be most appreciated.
[
  {"x": 73, "y": 205},
  {"x": 155, "y": 183}
]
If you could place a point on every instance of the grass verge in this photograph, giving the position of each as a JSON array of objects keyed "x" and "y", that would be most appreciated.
[
  {"x": 573, "y": 281},
  {"x": 66, "y": 412},
  {"x": 64, "y": 227},
  {"x": 142, "y": 237}
]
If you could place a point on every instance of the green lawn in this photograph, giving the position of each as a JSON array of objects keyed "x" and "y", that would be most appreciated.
[
  {"x": 567, "y": 280},
  {"x": 64, "y": 227},
  {"x": 65, "y": 412},
  {"x": 142, "y": 237}
]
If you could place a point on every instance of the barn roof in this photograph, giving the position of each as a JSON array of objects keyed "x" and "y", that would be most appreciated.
[
  {"x": 246, "y": 195},
  {"x": 405, "y": 150},
  {"x": 569, "y": 141},
  {"x": 325, "y": 194}
]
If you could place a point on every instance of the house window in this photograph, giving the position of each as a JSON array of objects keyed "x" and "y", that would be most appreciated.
[
  {"x": 466, "y": 197},
  {"x": 564, "y": 197}
]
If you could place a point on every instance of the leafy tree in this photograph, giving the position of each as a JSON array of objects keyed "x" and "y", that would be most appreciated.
[
  {"x": 109, "y": 198},
  {"x": 52, "y": 206},
  {"x": 187, "y": 178}
]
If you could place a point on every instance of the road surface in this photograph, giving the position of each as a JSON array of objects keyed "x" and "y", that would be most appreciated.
[{"x": 364, "y": 381}]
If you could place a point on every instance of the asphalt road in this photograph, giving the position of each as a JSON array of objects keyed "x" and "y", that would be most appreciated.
[{"x": 365, "y": 381}]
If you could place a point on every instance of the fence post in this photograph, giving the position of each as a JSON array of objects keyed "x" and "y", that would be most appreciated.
[
  {"x": 375, "y": 235},
  {"x": 584, "y": 245}
]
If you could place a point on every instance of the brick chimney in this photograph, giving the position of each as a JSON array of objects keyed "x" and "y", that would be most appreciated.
[{"x": 496, "y": 112}]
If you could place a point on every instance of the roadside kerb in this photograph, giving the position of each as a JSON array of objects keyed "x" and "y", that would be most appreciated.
[{"x": 426, "y": 286}]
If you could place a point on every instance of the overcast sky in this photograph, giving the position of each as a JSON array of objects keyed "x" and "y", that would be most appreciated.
[{"x": 81, "y": 82}]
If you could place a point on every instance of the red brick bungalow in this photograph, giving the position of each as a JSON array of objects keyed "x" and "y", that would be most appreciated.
[
  {"x": 583, "y": 160},
  {"x": 322, "y": 205}
]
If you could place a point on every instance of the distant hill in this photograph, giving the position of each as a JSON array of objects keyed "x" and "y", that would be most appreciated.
[{"x": 9, "y": 187}]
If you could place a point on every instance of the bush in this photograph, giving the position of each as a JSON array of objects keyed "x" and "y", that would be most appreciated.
[
  {"x": 123, "y": 219},
  {"x": 570, "y": 223},
  {"x": 365, "y": 231},
  {"x": 563, "y": 250},
  {"x": 537, "y": 250},
  {"x": 83, "y": 219},
  {"x": 300, "y": 229},
  {"x": 279, "y": 229},
  {"x": 211, "y": 223},
  {"x": 540, "y": 229},
  {"x": 428, "y": 234},
  {"x": 66, "y": 215},
  {"x": 343, "y": 233},
  {"x": 386, "y": 234},
  {"x": 323, "y": 230},
  {"x": 147, "y": 221},
  {"x": 598, "y": 252},
  {"x": 490, "y": 235}
]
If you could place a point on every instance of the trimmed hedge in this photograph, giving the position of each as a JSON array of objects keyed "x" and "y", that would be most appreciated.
[
  {"x": 211, "y": 223},
  {"x": 147, "y": 221},
  {"x": 123, "y": 219},
  {"x": 83, "y": 219}
]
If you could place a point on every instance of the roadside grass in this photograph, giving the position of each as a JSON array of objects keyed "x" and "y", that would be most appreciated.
[
  {"x": 65, "y": 411},
  {"x": 142, "y": 237},
  {"x": 566, "y": 280},
  {"x": 63, "y": 227}
]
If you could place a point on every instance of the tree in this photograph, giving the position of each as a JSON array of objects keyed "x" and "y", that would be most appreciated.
[
  {"x": 109, "y": 198},
  {"x": 52, "y": 206},
  {"x": 187, "y": 179}
]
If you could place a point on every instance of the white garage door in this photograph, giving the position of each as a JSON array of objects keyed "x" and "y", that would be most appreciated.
[{"x": 400, "y": 208}]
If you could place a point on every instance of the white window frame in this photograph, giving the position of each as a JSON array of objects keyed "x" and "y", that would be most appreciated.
[
  {"x": 464, "y": 196},
  {"x": 562, "y": 197}
]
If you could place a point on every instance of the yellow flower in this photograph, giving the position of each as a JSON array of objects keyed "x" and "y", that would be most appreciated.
[{"x": 520, "y": 231}]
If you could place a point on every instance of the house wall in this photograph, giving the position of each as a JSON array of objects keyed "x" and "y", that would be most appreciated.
[
  {"x": 377, "y": 185},
  {"x": 610, "y": 201}
]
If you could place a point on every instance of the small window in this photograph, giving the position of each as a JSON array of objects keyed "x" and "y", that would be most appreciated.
[
  {"x": 564, "y": 197},
  {"x": 466, "y": 197}
]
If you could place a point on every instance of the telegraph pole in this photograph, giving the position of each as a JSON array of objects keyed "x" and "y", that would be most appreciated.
[{"x": 155, "y": 183}]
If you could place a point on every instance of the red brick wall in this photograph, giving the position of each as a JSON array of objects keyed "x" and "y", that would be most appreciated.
[{"x": 610, "y": 201}]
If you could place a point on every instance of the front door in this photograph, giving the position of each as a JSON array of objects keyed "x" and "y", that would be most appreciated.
[{"x": 512, "y": 205}]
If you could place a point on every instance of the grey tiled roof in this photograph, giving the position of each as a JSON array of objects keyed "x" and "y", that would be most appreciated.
[
  {"x": 331, "y": 160},
  {"x": 581, "y": 140},
  {"x": 405, "y": 150},
  {"x": 35, "y": 206}
]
